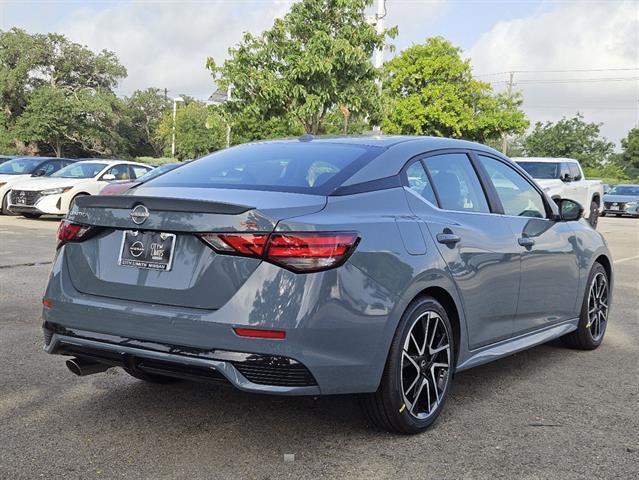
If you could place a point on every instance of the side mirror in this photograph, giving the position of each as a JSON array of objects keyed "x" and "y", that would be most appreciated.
[
  {"x": 566, "y": 177},
  {"x": 569, "y": 210},
  {"x": 108, "y": 177},
  {"x": 38, "y": 173}
]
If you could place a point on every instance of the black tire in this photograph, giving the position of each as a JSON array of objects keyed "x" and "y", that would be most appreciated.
[
  {"x": 31, "y": 215},
  {"x": 593, "y": 218},
  {"x": 584, "y": 337},
  {"x": 152, "y": 378},
  {"x": 387, "y": 407}
]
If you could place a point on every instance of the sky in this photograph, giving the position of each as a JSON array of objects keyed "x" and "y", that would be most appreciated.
[{"x": 567, "y": 56}]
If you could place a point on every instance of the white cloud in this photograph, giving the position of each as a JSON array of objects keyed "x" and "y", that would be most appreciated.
[
  {"x": 166, "y": 44},
  {"x": 575, "y": 35}
]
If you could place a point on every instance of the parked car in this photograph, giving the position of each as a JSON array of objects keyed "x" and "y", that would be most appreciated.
[
  {"x": 378, "y": 266},
  {"x": 55, "y": 194},
  {"x": 622, "y": 200},
  {"x": 117, "y": 187},
  {"x": 564, "y": 178},
  {"x": 19, "y": 169}
]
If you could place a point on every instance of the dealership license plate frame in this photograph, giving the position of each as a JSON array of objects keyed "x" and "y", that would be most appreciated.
[{"x": 146, "y": 259}]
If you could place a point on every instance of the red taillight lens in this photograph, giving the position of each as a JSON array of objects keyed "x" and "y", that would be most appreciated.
[
  {"x": 300, "y": 252},
  {"x": 305, "y": 252},
  {"x": 72, "y": 232}
]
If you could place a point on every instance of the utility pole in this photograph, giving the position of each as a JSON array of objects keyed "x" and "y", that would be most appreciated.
[
  {"x": 504, "y": 137},
  {"x": 229, "y": 91},
  {"x": 378, "y": 56},
  {"x": 175, "y": 102}
]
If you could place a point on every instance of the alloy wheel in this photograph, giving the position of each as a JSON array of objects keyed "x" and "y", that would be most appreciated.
[
  {"x": 597, "y": 306},
  {"x": 425, "y": 365}
]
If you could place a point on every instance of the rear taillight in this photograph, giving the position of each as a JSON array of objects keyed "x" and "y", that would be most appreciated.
[
  {"x": 73, "y": 232},
  {"x": 300, "y": 252}
]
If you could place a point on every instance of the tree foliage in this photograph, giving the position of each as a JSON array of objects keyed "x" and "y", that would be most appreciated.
[
  {"x": 571, "y": 138},
  {"x": 310, "y": 62},
  {"x": 198, "y": 130},
  {"x": 628, "y": 159},
  {"x": 58, "y": 96},
  {"x": 145, "y": 109},
  {"x": 431, "y": 91}
]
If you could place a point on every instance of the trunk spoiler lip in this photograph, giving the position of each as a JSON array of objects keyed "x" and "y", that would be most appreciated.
[{"x": 166, "y": 204}]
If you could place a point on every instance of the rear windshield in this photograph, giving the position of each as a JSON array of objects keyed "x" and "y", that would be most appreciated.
[
  {"x": 541, "y": 169},
  {"x": 302, "y": 167}
]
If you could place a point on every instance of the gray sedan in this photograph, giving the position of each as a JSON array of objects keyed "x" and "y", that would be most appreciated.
[
  {"x": 622, "y": 200},
  {"x": 378, "y": 266}
]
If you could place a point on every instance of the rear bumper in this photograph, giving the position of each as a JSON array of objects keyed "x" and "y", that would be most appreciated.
[
  {"x": 245, "y": 371},
  {"x": 338, "y": 326}
]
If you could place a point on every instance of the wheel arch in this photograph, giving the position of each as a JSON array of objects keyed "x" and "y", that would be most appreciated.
[
  {"x": 606, "y": 264},
  {"x": 447, "y": 301},
  {"x": 596, "y": 198}
]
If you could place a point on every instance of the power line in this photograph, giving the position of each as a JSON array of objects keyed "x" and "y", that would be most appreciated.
[{"x": 582, "y": 70}]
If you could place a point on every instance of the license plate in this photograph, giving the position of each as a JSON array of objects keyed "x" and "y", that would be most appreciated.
[
  {"x": 149, "y": 250},
  {"x": 614, "y": 207}
]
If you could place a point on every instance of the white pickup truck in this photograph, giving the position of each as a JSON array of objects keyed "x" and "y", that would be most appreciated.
[{"x": 564, "y": 178}]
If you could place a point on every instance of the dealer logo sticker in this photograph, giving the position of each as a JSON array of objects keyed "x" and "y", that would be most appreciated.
[
  {"x": 136, "y": 249},
  {"x": 139, "y": 214}
]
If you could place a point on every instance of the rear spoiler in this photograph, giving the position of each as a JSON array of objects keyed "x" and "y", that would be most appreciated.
[{"x": 165, "y": 204}]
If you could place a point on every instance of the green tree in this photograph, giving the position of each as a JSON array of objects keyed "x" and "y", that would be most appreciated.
[
  {"x": 198, "y": 130},
  {"x": 628, "y": 159},
  {"x": 85, "y": 123},
  {"x": 430, "y": 90},
  {"x": 313, "y": 60},
  {"x": 145, "y": 109},
  {"x": 45, "y": 75},
  {"x": 571, "y": 138}
]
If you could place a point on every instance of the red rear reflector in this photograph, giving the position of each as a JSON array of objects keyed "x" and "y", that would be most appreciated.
[
  {"x": 259, "y": 333},
  {"x": 48, "y": 304}
]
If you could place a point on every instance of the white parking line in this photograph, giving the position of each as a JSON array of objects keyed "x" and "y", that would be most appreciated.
[{"x": 627, "y": 259}]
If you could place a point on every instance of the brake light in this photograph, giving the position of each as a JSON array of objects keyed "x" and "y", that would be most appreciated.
[
  {"x": 299, "y": 252},
  {"x": 73, "y": 232}
]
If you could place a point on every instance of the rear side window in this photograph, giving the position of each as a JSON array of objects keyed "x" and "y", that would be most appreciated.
[
  {"x": 138, "y": 171},
  {"x": 456, "y": 183},
  {"x": 418, "y": 182},
  {"x": 304, "y": 167}
]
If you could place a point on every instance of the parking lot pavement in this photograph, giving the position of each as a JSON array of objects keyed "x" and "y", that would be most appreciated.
[{"x": 548, "y": 412}]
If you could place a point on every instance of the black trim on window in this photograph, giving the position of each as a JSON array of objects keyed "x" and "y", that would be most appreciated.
[
  {"x": 385, "y": 183},
  {"x": 489, "y": 189}
]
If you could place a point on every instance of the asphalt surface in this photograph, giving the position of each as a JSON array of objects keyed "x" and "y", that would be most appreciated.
[{"x": 549, "y": 412}]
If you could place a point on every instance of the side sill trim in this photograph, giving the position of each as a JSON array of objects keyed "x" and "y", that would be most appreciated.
[{"x": 517, "y": 344}]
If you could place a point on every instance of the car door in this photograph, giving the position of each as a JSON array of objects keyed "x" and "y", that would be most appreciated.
[
  {"x": 476, "y": 244},
  {"x": 549, "y": 268}
]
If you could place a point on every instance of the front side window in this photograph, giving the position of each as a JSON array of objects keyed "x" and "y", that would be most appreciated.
[
  {"x": 120, "y": 172},
  {"x": 517, "y": 196},
  {"x": 575, "y": 173},
  {"x": 418, "y": 182},
  {"x": 456, "y": 183}
]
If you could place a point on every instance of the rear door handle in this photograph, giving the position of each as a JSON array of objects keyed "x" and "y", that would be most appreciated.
[
  {"x": 526, "y": 242},
  {"x": 448, "y": 238}
]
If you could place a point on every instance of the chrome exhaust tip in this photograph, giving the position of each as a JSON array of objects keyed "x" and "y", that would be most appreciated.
[{"x": 82, "y": 367}]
